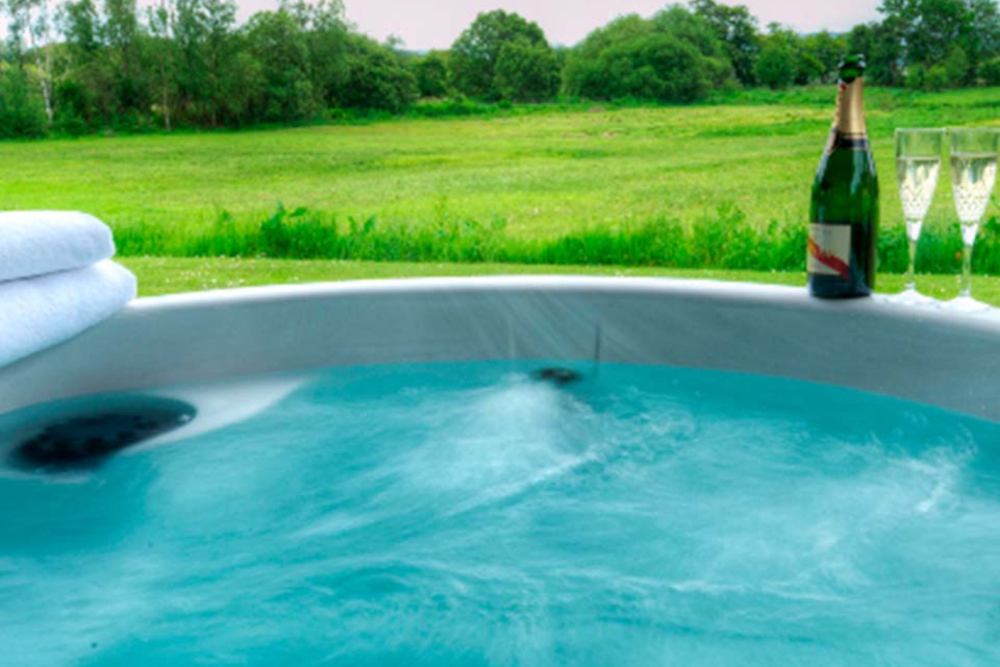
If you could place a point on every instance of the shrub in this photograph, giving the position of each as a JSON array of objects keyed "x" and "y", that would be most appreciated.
[
  {"x": 936, "y": 78},
  {"x": 989, "y": 71},
  {"x": 651, "y": 67},
  {"x": 956, "y": 65},
  {"x": 774, "y": 67},
  {"x": 674, "y": 56},
  {"x": 526, "y": 72},
  {"x": 431, "y": 73},
  {"x": 21, "y": 112},
  {"x": 915, "y": 75},
  {"x": 477, "y": 52},
  {"x": 376, "y": 79}
]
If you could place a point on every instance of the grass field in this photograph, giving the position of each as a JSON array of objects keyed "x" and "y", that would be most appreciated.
[
  {"x": 540, "y": 184},
  {"x": 545, "y": 173}
]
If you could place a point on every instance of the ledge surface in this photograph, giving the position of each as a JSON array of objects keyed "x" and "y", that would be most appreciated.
[{"x": 926, "y": 355}]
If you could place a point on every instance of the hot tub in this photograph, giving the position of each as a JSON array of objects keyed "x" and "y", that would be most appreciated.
[{"x": 512, "y": 471}]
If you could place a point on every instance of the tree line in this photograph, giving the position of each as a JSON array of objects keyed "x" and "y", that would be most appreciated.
[{"x": 88, "y": 66}]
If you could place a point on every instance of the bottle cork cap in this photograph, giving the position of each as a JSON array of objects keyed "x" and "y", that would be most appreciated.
[{"x": 851, "y": 67}]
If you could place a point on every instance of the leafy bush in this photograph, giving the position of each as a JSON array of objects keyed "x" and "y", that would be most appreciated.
[
  {"x": 477, "y": 52},
  {"x": 956, "y": 65},
  {"x": 990, "y": 72},
  {"x": 74, "y": 108},
  {"x": 275, "y": 41},
  {"x": 21, "y": 112},
  {"x": 431, "y": 73},
  {"x": 526, "y": 72},
  {"x": 774, "y": 67},
  {"x": 377, "y": 78},
  {"x": 936, "y": 78},
  {"x": 915, "y": 76},
  {"x": 673, "y": 57}
]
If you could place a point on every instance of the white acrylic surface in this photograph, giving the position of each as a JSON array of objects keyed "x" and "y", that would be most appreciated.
[{"x": 944, "y": 359}]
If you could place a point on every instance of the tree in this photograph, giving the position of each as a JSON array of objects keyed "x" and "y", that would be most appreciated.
[
  {"x": 932, "y": 27},
  {"x": 121, "y": 33},
  {"x": 21, "y": 113},
  {"x": 932, "y": 33},
  {"x": 275, "y": 39},
  {"x": 31, "y": 19},
  {"x": 475, "y": 53},
  {"x": 163, "y": 46},
  {"x": 377, "y": 78},
  {"x": 956, "y": 66},
  {"x": 805, "y": 64},
  {"x": 692, "y": 29},
  {"x": 985, "y": 38},
  {"x": 431, "y": 72},
  {"x": 883, "y": 50},
  {"x": 325, "y": 29},
  {"x": 821, "y": 53},
  {"x": 736, "y": 28},
  {"x": 241, "y": 89},
  {"x": 990, "y": 71},
  {"x": 774, "y": 67},
  {"x": 220, "y": 55},
  {"x": 672, "y": 57},
  {"x": 80, "y": 25},
  {"x": 82, "y": 95},
  {"x": 526, "y": 72}
]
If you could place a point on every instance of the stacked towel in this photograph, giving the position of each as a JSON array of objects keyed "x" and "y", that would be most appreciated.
[
  {"x": 55, "y": 280},
  {"x": 33, "y": 243}
]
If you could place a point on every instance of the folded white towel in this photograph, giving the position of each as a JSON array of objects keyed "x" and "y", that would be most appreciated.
[
  {"x": 37, "y": 313},
  {"x": 33, "y": 243}
]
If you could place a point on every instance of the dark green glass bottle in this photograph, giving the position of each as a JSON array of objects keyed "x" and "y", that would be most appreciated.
[{"x": 843, "y": 230}]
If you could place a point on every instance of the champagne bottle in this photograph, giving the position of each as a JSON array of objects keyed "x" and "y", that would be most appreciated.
[{"x": 843, "y": 233}]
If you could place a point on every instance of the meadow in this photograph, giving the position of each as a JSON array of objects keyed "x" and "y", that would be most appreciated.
[{"x": 722, "y": 185}]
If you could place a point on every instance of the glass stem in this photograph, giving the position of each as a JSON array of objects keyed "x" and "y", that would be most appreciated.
[
  {"x": 911, "y": 278},
  {"x": 968, "y": 241},
  {"x": 912, "y": 236},
  {"x": 966, "y": 286}
]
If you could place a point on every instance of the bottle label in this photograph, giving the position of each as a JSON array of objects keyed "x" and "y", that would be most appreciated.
[{"x": 829, "y": 250}]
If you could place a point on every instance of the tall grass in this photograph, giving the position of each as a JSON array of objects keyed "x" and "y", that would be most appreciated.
[{"x": 725, "y": 240}]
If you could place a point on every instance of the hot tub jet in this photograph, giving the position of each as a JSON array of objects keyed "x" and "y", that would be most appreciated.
[{"x": 85, "y": 441}]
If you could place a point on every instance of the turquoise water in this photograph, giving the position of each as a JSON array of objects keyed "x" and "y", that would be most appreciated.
[{"x": 467, "y": 514}]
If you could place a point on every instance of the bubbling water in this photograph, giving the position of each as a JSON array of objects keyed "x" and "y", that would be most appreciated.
[{"x": 477, "y": 514}]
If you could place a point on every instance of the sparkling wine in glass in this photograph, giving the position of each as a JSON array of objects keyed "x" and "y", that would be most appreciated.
[
  {"x": 918, "y": 163},
  {"x": 973, "y": 173}
]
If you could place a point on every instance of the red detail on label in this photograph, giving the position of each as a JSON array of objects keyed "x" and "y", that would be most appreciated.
[{"x": 832, "y": 261}]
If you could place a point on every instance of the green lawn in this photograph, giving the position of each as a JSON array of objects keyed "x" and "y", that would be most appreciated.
[
  {"x": 545, "y": 173},
  {"x": 170, "y": 275}
]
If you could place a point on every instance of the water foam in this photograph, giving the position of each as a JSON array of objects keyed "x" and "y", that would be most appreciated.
[{"x": 467, "y": 514}]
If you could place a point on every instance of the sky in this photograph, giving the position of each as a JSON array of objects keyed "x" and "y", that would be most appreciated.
[
  {"x": 434, "y": 24},
  {"x": 426, "y": 24}
]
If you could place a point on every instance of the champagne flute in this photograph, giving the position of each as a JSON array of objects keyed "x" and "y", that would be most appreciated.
[
  {"x": 973, "y": 172},
  {"x": 918, "y": 163}
]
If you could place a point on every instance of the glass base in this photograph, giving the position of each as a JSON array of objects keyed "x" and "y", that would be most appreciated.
[
  {"x": 965, "y": 304},
  {"x": 911, "y": 297}
]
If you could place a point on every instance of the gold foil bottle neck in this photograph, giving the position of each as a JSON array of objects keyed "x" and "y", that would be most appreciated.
[{"x": 850, "y": 119}]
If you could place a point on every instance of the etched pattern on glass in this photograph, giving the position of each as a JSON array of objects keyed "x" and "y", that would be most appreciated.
[
  {"x": 972, "y": 175},
  {"x": 918, "y": 177}
]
